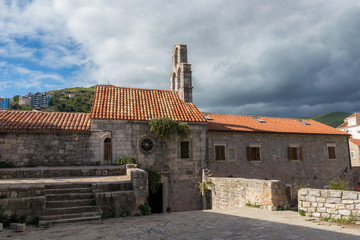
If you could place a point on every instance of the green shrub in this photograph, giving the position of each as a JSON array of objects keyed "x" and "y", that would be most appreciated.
[
  {"x": 3, "y": 196},
  {"x": 248, "y": 204},
  {"x": 280, "y": 208},
  {"x": 339, "y": 185},
  {"x": 302, "y": 212},
  {"x": 126, "y": 160},
  {"x": 145, "y": 209},
  {"x": 326, "y": 219}
]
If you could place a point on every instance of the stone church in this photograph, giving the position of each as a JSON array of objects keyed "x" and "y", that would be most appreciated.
[{"x": 292, "y": 150}]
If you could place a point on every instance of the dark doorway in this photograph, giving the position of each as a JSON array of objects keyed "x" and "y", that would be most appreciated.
[
  {"x": 156, "y": 200},
  {"x": 107, "y": 151}
]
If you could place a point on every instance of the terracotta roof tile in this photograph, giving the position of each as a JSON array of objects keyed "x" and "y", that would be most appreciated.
[
  {"x": 222, "y": 122},
  {"x": 141, "y": 104},
  {"x": 43, "y": 121},
  {"x": 355, "y": 141}
]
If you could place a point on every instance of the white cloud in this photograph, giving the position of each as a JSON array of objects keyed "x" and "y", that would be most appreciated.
[{"x": 247, "y": 56}]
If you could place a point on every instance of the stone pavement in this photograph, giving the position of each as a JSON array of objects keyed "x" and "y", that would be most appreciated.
[{"x": 240, "y": 223}]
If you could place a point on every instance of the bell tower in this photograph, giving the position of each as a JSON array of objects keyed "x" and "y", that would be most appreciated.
[{"x": 180, "y": 77}]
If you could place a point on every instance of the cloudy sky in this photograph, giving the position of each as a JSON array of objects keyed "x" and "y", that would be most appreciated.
[{"x": 270, "y": 57}]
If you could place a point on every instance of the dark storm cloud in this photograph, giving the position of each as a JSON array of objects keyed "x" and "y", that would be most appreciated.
[
  {"x": 313, "y": 73},
  {"x": 278, "y": 57}
]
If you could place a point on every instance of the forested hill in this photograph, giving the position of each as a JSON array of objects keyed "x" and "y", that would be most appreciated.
[
  {"x": 333, "y": 119},
  {"x": 66, "y": 100}
]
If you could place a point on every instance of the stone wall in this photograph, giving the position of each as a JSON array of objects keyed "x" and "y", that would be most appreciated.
[
  {"x": 37, "y": 149},
  {"x": 315, "y": 170},
  {"x": 329, "y": 203},
  {"x": 354, "y": 176},
  {"x": 113, "y": 199},
  {"x": 237, "y": 192},
  {"x": 23, "y": 200},
  {"x": 355, "y": 161},
  {"x": 49, "y": 172},
  {"x": 179, "y": 175}
]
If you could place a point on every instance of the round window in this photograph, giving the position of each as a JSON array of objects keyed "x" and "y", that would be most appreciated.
[{"x": 146, "y": 144}]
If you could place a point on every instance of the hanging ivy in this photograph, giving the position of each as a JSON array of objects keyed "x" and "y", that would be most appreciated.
[
  {"x": 164, "y": 127},
  {"x": 154, "y": 178}
]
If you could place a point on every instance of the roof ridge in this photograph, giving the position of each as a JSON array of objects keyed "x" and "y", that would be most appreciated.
[
  {"x": 147, "y": 89},
  {"x": 226, "y": 114},
  {"x": 38, "y": 112}
]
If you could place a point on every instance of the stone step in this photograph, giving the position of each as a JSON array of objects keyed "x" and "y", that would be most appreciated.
[
  {"x": 67, "y": 216},
  {"x": 70, "y": 210},
  {"x": 69, "y": 196},
  {"x": 70, "y": 203},
  {"x": 68, "y": 190},
  {"x": 46, "y": 223},
  {"x": 67, "y": 185}
]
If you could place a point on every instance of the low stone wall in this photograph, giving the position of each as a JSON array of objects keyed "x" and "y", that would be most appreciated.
[
  {"x": 139, "y": 180},
  {"x": 23, "y": 200},
  {"x": 329, "y": 203},
  {"x": 115, "y": 200},
  {"x": 237, "y": 192},
  {"x": 49, "y": 172}
]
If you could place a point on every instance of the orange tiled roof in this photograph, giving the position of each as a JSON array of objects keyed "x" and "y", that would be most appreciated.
[
  {"x": 355, "y": 141},
  {"x": 222, "y": 122},
  {"x": 43, "y": 121},
  {"x": 141, "y": 104}
]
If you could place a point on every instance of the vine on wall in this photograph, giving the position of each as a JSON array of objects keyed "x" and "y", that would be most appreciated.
[
  {"x": 164, "y": 127},
  {"x": 154, "y": 178}
]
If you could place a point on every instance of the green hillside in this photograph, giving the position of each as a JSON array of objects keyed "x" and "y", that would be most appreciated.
[
  {"x": 80, "y": 100},
  {"x": 333, "y": 119}
]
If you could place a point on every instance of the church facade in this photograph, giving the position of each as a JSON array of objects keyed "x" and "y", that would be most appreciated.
[{"x": 294, "y": 151}]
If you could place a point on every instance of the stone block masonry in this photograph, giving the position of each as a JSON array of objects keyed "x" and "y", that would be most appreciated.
[
  {"x": 42, "y": 149},
  {"x": 335, "y": 204},
  {"x": 237, "y": 192}
]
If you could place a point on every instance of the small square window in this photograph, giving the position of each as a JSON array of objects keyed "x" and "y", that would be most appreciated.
[
  {"x": 220, "y": 153},
  {"x": 184, "y": 149},
  {"x": 253, "y": 153},
  {"x": 352, "y": 153},
  {"x": 332, "y": 152},
  {"x": 295, "y": 153}
]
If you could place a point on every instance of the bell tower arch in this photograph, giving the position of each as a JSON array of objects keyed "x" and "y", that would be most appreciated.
[{"x": 180, "y": 77}]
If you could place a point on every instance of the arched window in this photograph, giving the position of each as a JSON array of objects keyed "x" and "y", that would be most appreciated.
[
  {"x": 178, "y": 79},
  {"x": 107, "y": 151},
  {"x": 176, "y": 56},
  {"x": 173, "y": 77}
]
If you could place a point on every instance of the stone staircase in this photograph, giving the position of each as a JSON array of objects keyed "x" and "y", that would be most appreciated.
[{"x": 67, "y": 203}]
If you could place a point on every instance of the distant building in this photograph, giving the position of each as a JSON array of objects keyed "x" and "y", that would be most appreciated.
[
  {"x": 25, "y": 101},
  {"x": 39, "y": 100},
  {"x": 351, "y": 125},
  {"x": 6, "y": 103},
  {"x": 354, "y": 145}
]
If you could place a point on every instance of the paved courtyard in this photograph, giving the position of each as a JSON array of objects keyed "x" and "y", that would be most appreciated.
[{"x": 241, "y": 223}]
